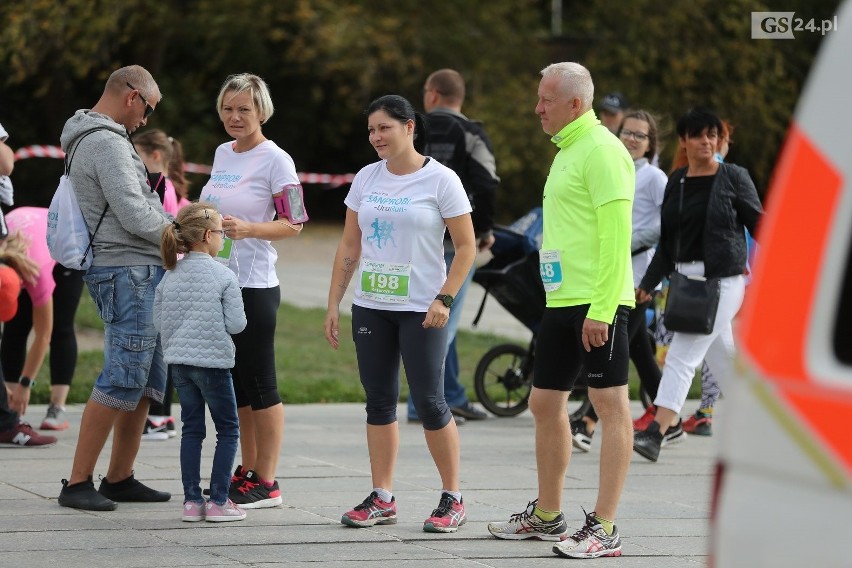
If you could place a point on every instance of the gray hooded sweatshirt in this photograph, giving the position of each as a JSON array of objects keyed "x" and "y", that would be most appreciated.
[{"x": 106, "y": 169}]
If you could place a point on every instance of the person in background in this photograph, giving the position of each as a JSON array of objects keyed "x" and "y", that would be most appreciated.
[
  {"x": 611, "y": 111},
  {"x": 586, "y": 270},
  {"x": 463, "y": 146},
  {"x": 197, "y": 307},
  {"x": 163, "y": 154},
  {"x": 7, "y": 164},
  {"x": 15, "y": 265},
  {"x": 402, "y": 301},
  {"x": 700, "y": 423},
  {"x": 47, "y": 307},
  {"x": 110, "y": 182},
  {"x": 705, "y": 212},
  {"x": 638, "y": 132},
  {"x": 249, "y": 184}
]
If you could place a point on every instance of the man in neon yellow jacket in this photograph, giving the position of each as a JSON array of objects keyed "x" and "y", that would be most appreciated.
[{"x": 586, "y": 270}]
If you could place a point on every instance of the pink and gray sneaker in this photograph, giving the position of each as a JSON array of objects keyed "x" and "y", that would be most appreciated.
[
  {"x": 230, "y": 511},
  {"x": 372, "y": 511},
  {"x": 448, "y": 517},
  {"x": 194, "y": 512}
]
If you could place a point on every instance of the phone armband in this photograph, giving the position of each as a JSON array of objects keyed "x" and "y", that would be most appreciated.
[{"x": 290, "y": 204}]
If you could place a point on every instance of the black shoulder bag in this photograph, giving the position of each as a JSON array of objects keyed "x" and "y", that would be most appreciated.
[{"x": 692, "y": 301}]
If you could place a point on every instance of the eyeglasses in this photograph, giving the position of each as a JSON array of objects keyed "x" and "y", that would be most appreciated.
[
  {"x": 638, "y": 136},
  {"x": 148, "y": 108},
  {"x": 220, "y": 231}
]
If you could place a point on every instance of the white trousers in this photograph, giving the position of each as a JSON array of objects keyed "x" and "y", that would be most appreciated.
[{"x": 688, "y": 350}]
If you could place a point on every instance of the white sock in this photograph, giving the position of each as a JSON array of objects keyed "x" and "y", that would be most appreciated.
[
  {"x": 456, "y": 494},
  {"x": 156, "y": 419},
  {"x": 383, "y": 494}
]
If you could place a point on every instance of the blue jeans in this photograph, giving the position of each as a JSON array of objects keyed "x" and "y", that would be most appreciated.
[
  {"x": 454, "y": 391},
  {"x": 133, "y": 355},
  {"x": 195, "y": 386}
]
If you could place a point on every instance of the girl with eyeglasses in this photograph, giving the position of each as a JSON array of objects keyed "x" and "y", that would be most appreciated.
[{"x": 197, "y": 307}]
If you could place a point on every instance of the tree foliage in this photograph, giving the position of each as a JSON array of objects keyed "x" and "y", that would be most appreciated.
[{"x": 326, "y": 59}]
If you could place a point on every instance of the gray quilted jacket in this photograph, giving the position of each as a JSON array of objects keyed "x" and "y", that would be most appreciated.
[{"x": 197, "y": 307}]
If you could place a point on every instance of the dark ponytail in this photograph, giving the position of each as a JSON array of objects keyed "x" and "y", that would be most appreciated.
[{"x": 399, "y": 108}]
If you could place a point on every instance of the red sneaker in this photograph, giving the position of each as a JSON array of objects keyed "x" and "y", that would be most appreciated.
[
  {"x": 372, "y": 511},
  {"x": 699, "y": 424},
  {"x": 641, "y": 423},
  {"x": 22, "y": 435},
  {"x": 448, "y": 517}
]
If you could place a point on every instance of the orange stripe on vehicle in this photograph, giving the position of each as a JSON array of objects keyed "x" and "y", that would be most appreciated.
[
  {"x": 821, "y": 412},
  {"x": 793, "y": 235}
]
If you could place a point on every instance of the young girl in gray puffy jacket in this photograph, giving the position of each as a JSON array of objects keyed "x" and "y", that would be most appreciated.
[{"x": 197, "y": 307}]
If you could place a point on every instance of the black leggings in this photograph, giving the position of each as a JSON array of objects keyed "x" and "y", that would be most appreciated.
[
  {"x": 255, "y": 381},
  {"x": 8, "y": 417},
  {"x": 641, "y": 354},
  {"x": 63, "y": 340},
  {"x": 381, "y": 337}
]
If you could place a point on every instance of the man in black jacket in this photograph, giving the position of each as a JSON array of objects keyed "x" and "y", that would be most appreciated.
[{"x": 462, "y": 145}]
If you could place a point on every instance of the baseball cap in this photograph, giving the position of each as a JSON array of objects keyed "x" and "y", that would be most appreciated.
[
  {"x": 10, "y": 288},
  {"x": 613, "y": 102}
]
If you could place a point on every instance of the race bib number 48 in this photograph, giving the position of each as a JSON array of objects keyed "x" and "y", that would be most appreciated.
[
  {"x": 385, "y": 281},
  {"x": 550, "y": 268}
]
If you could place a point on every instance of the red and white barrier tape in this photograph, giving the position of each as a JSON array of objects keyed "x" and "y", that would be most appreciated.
[{"x": 304, "y": 177}]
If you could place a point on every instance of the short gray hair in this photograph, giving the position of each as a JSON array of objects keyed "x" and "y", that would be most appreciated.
[
  {"x": 256, "y": 86},
  {"x": 575, "y": 79},
  {"x": 137, "y": 76}
]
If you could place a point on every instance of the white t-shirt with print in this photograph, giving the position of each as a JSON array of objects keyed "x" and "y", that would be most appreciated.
[
  {"x": 402, "y": 223},
  {"x": 241, "y": 185}
]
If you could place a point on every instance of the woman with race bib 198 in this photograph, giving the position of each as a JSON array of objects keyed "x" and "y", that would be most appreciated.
[{"x": 397, "y": 212}]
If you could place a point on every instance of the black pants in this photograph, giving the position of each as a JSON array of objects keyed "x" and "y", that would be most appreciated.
[
  {"x": 255, "y": 380},
  {"x": 63, "y": 339},
  {"x": 8, "y": 418}
]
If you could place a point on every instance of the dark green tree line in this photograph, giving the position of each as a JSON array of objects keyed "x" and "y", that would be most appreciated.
[{"x": 325, "y": 60}]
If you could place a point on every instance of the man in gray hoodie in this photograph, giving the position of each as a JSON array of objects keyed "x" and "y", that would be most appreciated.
[{"x": 111, "y": 184}]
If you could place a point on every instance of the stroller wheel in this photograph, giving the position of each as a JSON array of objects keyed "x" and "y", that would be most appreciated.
[{"x": 503, "y": 379}]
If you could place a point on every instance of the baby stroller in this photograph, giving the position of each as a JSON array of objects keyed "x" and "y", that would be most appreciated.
[{"x": 503, "y": 377}]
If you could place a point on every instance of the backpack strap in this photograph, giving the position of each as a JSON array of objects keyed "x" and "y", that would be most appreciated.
[{"x": 68, "y": 159}]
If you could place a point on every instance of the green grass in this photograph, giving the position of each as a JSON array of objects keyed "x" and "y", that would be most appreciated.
[{"x": 309, "y": 370}]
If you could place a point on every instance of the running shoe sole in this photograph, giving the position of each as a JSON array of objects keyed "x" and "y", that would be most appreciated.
[{"x": 368, "y": 522}]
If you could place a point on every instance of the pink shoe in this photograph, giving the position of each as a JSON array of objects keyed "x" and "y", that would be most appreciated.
[
  {"x": 223, "y": 513},
  {"x": 641, "y": 423},
  {"x": 193, "y": 512},
  {"x": 448, "y": 517},
  {"x": 372, "y": 511}
]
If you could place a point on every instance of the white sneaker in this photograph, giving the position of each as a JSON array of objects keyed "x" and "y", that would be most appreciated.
[
  {"x": 154, "y": 432},
  {"x": 55, "y": 419}
]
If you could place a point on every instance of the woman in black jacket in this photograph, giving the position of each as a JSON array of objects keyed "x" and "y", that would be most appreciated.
[{"x": 706, "y": 207}]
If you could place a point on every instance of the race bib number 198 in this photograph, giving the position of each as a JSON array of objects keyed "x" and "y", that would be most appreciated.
[{"x": 385, "y": 281}]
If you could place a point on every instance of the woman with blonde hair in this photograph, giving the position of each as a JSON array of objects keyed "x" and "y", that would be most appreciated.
[
  {"x": 15, "y": 265},
  {"x": 255, "y": 185}
]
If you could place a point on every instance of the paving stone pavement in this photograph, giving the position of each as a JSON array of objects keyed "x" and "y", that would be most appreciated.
[{"x": 324, "y": 471}]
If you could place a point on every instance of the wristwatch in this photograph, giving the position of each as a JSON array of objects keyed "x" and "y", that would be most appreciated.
[
  {"x": 26, "y": 382},
  {"x": 446, "y": 299}
]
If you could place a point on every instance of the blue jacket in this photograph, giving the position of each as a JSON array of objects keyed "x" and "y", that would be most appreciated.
[{"x": 197, "y": 307}]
